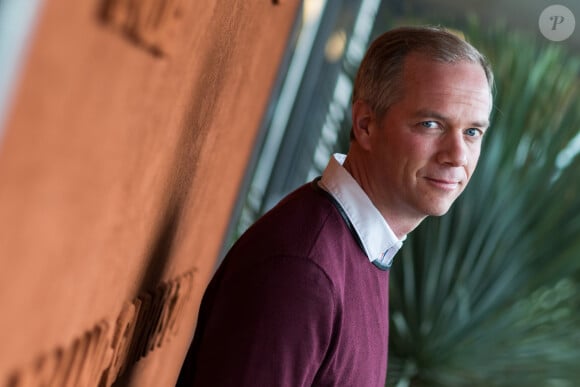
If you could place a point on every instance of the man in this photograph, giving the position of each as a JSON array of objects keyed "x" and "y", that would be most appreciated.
[{"x": 302, "y": 298}]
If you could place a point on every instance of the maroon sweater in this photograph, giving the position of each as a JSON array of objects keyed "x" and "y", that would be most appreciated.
[{"x": 296, "y": 302}]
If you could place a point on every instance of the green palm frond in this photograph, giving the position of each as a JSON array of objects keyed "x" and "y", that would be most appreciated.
[{"x": 486, "y": 295}]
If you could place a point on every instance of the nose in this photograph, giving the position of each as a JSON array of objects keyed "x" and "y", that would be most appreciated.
[{"x": 453, "y": 150}]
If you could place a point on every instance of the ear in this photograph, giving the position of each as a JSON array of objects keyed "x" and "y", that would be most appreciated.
[{"x": 362, "y": 119}]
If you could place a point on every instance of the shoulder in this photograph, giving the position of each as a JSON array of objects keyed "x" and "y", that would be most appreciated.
[
  {"x": 303, "y": 224},
  {"x": 303, "y": 233}
]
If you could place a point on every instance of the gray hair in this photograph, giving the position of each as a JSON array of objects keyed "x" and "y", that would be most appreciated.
[{"x": 379, "y": 80}]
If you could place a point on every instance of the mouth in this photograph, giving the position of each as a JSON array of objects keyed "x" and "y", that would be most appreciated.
[{"x": 444, "y": 184}]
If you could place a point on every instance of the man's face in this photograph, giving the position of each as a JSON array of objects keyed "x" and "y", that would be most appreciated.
[{"x": 426, "y": 146}]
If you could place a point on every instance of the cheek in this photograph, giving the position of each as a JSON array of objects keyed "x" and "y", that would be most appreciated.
[
  {"x": 474, "y": 156},
  {"x": 419, "y": 150}
]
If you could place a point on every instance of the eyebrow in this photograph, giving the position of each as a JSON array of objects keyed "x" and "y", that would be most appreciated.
[{"x": 439, "y": 116}]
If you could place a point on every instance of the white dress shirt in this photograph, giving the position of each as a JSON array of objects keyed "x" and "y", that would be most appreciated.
[{"x": 378, "y": 240}]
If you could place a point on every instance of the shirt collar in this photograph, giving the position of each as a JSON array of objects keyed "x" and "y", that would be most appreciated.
[{"x": 378, "y": 240}]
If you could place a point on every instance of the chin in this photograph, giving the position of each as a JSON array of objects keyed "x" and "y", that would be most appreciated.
[{"x": 438, "y": 211}]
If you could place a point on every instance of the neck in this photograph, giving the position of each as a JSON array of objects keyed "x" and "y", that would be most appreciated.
[{"x": 400, "y": 223}]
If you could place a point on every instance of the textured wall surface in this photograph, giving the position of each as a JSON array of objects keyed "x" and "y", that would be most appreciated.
[{"x": 129, "y": 134}]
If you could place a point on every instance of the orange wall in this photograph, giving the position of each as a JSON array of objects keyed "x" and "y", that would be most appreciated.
[{"x": 122, "y": 156}]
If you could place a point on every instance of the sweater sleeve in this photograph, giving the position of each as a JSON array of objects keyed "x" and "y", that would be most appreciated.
[{"x": 272, "y": 325}]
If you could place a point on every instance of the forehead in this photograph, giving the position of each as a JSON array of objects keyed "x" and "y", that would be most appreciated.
[{"x": 425, "y": 79}]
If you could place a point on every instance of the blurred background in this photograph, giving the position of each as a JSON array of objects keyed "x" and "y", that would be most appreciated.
[{"x": 488, "y": 295}]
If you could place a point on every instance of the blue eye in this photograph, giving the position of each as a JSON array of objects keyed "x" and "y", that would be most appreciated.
[
  {"x": 429, "y": 124},
  {"x": 473, "y": 132}
]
